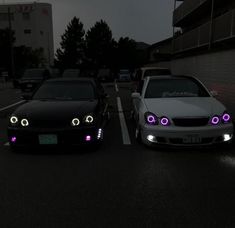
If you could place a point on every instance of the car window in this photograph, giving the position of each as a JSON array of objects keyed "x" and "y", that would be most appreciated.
[
  {"x": 34, "y": 73},
  {"x": 167, "y": 88},
  {"x": 66, "y": 91}
]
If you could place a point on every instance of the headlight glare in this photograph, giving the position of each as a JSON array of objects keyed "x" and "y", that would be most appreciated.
[
  {"x": 89, "y": 119},
  {"x": 226, "y": 118},
  {"x": 164, "y": 121},
  {"x": 75, "y": 122},
  {"x": 24, "y": 122},
  {"x": 215, "y": 120},
  {"x": 13, "y": 120},
  {"x": 151, "y": 118}
]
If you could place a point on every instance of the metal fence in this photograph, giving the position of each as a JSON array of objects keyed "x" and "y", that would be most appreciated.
[
  {"x": 186, "y": 8},
  {"x": 223, "y": 28}
]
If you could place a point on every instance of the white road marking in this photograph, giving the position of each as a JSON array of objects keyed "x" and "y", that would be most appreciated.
[
  {"x": 116, "y": 87},
  {"x": 125, "y": 133},
  {"x": 7, "y": 144},
  {"x": 10, "y": 106}
]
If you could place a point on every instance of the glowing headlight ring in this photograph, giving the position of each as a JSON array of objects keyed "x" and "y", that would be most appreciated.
[
  {"x": 13, "y": 119},
  {"x": 75, "y": 122},
  {"x": 89, "y": 119},
  {"x": 24, "y": 122}
]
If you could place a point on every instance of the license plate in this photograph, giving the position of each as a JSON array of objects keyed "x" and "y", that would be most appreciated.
[
  {"x": 29, "y": 85},
  {"x": 48, "y": 139},
  {"x": 192, "y": 139}
]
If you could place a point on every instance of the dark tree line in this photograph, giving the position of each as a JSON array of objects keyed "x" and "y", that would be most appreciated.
[{"x": 96, "y": 48}]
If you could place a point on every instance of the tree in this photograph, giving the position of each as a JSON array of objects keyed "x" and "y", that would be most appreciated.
[
  {"x": 71, "y": 53},
  {"x": 126, "y": 53},
  {"x": 100, "y": 45}
]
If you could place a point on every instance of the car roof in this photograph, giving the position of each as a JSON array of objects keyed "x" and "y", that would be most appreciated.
[
  {"x": 170, "y": 77},
  {"x": 80, "y": 79},
  {"x": 154, "y": 68}
]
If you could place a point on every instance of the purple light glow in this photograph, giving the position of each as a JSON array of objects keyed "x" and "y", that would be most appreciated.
[
  {"x": 215, "y": 120},
  {"x": 151, "y": 119},
  {"x": 13, "y": 139},
  {"x": 226, "y": 117},
  {"x": 164, "y": 121},
  {"x": 88, "y": 138}
]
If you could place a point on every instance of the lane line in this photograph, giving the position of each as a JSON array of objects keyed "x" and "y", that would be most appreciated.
[
  {"x": 116, "y": 87},
  {"x": 10, "y": 106},
  {"x": 7, "y": 144},
  {"x": 125, "y": 134}
]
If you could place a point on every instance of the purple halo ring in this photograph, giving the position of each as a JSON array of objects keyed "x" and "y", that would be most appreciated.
[
  {"x": 151, "y": 119},
  {"x": 215, "y": 120},
  {"x": 165, "y": 121},
  {"x": 226, "y": 117}
]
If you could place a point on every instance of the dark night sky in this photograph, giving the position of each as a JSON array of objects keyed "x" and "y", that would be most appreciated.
[{"x": 143, "y": 20}]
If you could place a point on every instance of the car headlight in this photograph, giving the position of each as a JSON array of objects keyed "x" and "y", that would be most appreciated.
[
  {"x": 89, "y": 119},
  {"x": 24, "y": 122},
  {"x": 164, "y": 121},
  {"x": 226, "y": 118},
  {"x": 75, "y": 122},
  {"x": 151, "y": 118},
  {"x": 215, "y": 120},
  {"x": 14, "y": 120}
]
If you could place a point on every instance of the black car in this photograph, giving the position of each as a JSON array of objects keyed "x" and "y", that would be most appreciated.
[
  {"x": 32, "y": 78},
  {"x": 61, "y": 112}
]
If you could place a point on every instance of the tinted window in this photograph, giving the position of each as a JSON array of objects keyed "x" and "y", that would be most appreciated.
[
  {"x": 165, "y": 88},
  {"x": 66, "y": 91},
  {"x": 155, "y": 72},
  {"x": 34, "y": 73}
]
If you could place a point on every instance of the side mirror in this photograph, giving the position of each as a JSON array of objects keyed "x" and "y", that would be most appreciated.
[
  {"x": 214, "y": 93},
  {"x": 26, "y": 96},
  {"x": 135, "y": 95}
]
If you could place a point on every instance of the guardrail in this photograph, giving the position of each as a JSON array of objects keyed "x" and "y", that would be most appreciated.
[
  {"x": 187, "y": 7},
  {"x": 223, "y": 28}
]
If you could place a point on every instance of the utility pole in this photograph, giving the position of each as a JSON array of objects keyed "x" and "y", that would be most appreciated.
[{"x": 12, "y": 62}]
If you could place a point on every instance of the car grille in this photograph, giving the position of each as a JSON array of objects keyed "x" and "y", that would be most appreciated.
[
  {"x": 190, "y": 122},
  {"x": 50, "y": 123}
]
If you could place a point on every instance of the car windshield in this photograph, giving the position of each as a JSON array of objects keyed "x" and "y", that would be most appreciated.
[
  {"x": 33, "y": 73},
  {"x": 167, "y": 88},
  {"x": 154, "y": 72},
  {"x": 65, "y": 91}
]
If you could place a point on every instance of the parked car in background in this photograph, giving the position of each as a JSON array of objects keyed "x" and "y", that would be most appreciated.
[
  {"x": 144, "y": 72},
  {"x": 124, "y": 75},
  {"x": 65, "y": 111},
  {"x": 32, "y": 78},
  {"x": 179, "y": 111},
  {"x": 105, "y": 75},
  {"x": 71, "y": 73}
]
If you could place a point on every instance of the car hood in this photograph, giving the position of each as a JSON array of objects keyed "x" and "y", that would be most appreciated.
[
  {"x": 185, "y": 106},
  {"x": 37, "y": 109}
]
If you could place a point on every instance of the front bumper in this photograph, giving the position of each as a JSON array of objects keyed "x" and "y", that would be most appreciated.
[
  {"x": 54, "y": 137},
  {"x": 186, "y": 136}
]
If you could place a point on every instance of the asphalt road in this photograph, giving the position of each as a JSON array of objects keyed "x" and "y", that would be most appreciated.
[{"x": 123, "y": 184}]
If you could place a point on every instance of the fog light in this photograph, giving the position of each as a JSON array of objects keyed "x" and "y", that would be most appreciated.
[
  {"x": 100, "y": 133},
  {"x": 13, "y": 139},
  {"x": 88, "y": 138},
  {"x": 151, "y": 138},
  {"x": 227, "y": 137}
]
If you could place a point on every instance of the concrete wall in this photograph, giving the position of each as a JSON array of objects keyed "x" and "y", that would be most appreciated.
[{"x": 215, "y": 70}]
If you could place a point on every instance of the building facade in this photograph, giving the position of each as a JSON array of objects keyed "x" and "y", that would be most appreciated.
[
  {"x": 204, "y": 45},
  {"x": 32, "y": 26}
]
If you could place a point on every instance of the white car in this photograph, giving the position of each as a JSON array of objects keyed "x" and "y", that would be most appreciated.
[{"x": 179, "y": 111}]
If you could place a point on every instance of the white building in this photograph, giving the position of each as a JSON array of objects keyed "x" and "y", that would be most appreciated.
[{"x": 32, "y": 25}]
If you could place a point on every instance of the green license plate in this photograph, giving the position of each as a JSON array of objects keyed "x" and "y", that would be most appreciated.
[{"x": 48, "y": 139}]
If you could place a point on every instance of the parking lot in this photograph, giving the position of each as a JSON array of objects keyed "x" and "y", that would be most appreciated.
[{"x": 122, "y": 184}]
